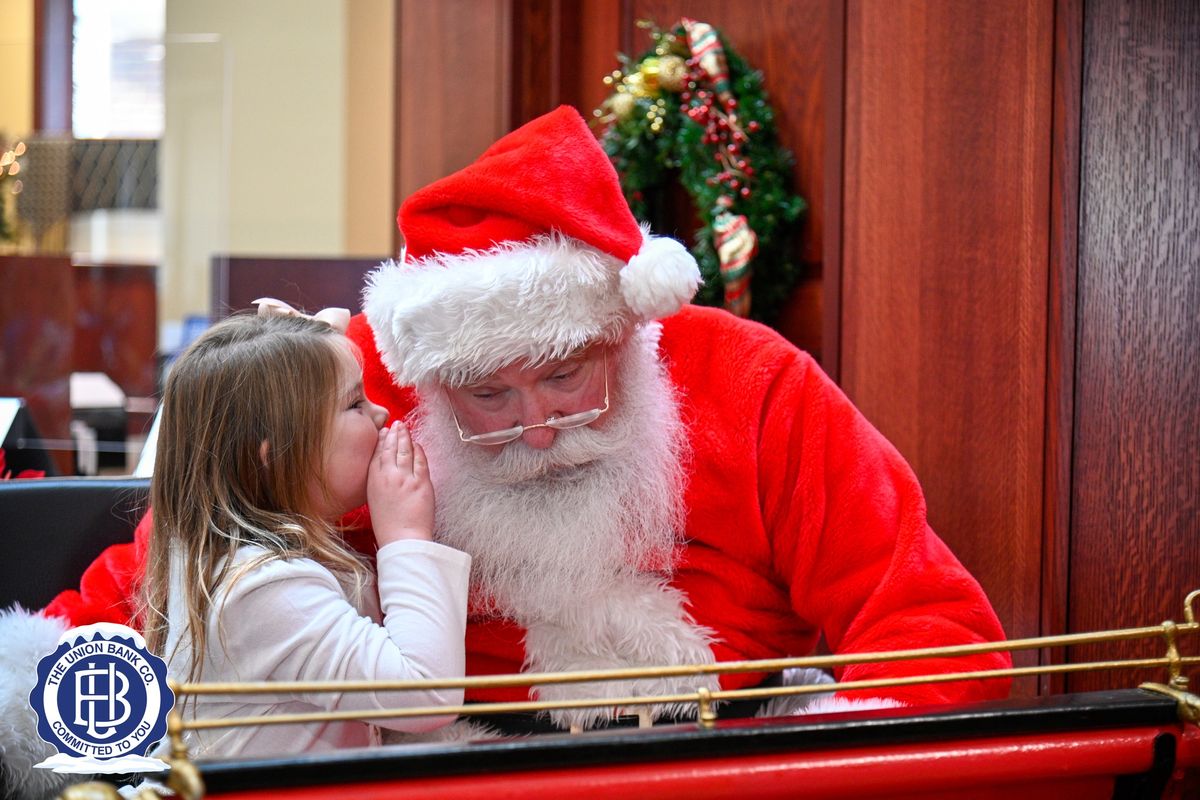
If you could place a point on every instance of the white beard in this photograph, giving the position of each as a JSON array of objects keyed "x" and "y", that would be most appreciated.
[
  {"x": 577, "y": 542},
  {"x": 544, "y": 527}
]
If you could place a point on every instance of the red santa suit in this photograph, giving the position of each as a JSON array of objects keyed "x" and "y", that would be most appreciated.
[{"x": 802, "y": 520}]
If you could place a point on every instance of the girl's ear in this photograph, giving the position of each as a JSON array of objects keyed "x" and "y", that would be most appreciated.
[{"x": 264, "y": 450}]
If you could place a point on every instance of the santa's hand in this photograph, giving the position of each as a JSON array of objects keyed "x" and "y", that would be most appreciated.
[{"x": 399, "y": 492}]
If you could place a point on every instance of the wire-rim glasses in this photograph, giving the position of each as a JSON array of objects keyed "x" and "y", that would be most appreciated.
[{"x": 557, "y": 423}]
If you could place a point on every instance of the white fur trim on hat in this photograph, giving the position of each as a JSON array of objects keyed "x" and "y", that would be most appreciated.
[
  {"x": 27, "y": 637},
  {"x": 457, "y": 319},
  {"x": 660, "y": 279}
]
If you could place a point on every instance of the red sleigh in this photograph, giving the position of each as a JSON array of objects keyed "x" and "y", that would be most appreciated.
[{"x": 1137, "y": 743}]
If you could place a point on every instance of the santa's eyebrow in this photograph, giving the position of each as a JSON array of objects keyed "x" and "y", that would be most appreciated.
[
  {"x": 586, "y": 353},
  {"x": 578, "y": 357},
  {"x": 572, "y": 361}
]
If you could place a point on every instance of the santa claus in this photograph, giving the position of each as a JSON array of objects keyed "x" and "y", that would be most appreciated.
[{"x": 638, "y": 481}]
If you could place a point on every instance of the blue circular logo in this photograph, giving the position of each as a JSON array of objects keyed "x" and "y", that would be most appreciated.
[{"x": 101, "y": 694}]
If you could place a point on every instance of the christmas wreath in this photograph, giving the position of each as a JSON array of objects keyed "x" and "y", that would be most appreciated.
[{"x": 691, "y": 105}]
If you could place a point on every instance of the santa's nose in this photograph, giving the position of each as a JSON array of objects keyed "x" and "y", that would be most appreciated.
[
  {"x": 535, "y": 412},
  {"x": 539, "y": 438}
]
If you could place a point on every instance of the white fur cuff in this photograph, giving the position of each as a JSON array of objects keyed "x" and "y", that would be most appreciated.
[
  {"x": 832, "y": 704},
  {"x": 820, "y": 702},
  {"x": 27, "y": 637}
]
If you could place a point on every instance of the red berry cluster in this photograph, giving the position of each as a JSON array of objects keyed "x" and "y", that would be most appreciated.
[{"x": 716, "y": 112}]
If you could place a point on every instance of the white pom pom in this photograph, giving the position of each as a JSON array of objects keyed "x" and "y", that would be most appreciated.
[{"x": 660, "y": 278}]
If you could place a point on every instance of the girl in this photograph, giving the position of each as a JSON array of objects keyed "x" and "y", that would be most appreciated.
[{"x": 266, "y": 440}]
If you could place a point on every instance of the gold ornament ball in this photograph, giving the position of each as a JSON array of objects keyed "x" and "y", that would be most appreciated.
[
  {"x": 622, "y": 105},
  {"x": 648, "y": 72},
  {"x": 639, "y": 84},
  {"x": 672, "y": 73}
]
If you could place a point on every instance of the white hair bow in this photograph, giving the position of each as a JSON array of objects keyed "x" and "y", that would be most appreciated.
[{"x": 336, "y": 318}]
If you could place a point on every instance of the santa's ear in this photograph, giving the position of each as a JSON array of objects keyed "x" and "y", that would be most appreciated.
[{"x": 264, "y": 451}]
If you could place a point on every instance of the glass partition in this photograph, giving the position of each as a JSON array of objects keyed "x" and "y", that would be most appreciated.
[{"x": 273, "y": 154}]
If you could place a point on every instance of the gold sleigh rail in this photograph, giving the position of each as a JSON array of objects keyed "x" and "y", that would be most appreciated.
[{"x": 185, "y": 780}]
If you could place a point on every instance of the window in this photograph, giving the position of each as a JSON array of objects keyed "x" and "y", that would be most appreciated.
[{"x": 117, "y": 69}]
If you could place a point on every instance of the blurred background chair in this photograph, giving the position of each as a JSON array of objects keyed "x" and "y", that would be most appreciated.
[{"x": 53, "y": 528}]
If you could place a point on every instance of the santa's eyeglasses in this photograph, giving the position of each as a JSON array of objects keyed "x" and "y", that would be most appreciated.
[{"x": 557, "y": 423}]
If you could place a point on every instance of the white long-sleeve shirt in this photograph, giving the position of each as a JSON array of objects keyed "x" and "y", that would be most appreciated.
[{"x": 291, "y": 621}]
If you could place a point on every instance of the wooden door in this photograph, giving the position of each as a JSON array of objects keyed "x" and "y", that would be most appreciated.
[{"x": 1135, "y": 490}]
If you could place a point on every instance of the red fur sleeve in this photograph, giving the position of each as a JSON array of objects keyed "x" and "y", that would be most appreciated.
[
  {"x": 805, "y": 521},
  {"x": 108, "y": 588},
  {"x": 851, "y": 536}
]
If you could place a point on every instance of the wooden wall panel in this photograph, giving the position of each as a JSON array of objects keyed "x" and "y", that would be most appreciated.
[
  {"x": 305, "y": 283},
  {"x": 602, "y": 27},
  {"x": 545, "y": 57},
  {"x": 37, "y": 315},
  {"x": 453, "y": 66},
  {"x": 562, "y": 49},
  {"x": 944, "y": 267},
  {"x": 1135, "y": 544}
]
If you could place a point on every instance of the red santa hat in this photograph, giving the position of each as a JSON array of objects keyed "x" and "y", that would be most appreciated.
[{"x": 527, "y": 254}]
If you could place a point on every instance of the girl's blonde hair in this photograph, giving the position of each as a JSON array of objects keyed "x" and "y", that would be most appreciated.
[{"x": 246, "y": 381}]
